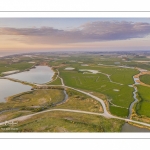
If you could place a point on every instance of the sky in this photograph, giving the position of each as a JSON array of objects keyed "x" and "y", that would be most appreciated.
[{"x": 74, "y": 34}]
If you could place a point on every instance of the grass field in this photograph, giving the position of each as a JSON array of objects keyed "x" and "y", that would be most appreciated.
[
  {"x": 143, "y": 106},
  {"x": 122, "y": 112},
  {"x": 120, "y": 95},
  {"x": 67, "y": 122},
  {"x": 117, "y": 74},
  {"x": 145, "y": 78}
]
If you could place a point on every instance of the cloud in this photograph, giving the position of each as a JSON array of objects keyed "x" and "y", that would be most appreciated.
[
  {"x": 89, "y": 32},
  {"x": 115, "y": 30}
]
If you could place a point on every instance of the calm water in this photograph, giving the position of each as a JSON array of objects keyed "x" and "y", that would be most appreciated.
[
  {"x": 40, "y": 75},
  {"x": 129, "y": 128},
  {"x": 9, "y": 88}
]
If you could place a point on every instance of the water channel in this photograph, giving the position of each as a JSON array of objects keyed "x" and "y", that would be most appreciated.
[{"x": 127, "y": 127}]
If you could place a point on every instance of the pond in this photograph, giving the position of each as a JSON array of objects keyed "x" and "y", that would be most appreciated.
[
  {"x": 39, "y": 75},
  {"x": 9, "y": 88}
]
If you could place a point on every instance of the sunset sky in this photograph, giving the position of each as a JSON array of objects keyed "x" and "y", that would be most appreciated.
[{"x": 49, "y": 34}]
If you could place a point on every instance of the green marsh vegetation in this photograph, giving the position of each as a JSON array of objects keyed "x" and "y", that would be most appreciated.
[
  {"x": 120, "y": 95},
  {"x": 118, "y": 111}
]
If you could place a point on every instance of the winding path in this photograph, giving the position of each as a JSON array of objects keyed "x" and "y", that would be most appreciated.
[{"x": 22, "y": 118}]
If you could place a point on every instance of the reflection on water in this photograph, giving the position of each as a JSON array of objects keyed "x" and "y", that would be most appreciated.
[
  {"x": 130, "y": 128},
  {"x": 9, "y": 88},
  {"x": 40, "y": 74}
]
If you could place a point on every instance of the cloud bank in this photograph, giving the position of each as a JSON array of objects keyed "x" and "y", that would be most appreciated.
[{"x": 90, "y": 32}]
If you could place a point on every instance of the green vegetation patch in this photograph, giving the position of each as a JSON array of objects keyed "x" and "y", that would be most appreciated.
[
  {"x": 118, "y": 111},
  {"x": 117, "y": 74},
  {"x": 21, "y": 66},
  {"x": 143, "y": 106},
  {"x": 120, "y": 95},
  {"x": 145, "y": 78},
  {"x": 55, "y": 82}
]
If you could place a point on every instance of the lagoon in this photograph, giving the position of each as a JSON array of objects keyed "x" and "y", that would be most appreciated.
[{"x": 39, "y": 75}]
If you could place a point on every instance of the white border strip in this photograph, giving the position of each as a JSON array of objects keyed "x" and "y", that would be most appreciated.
[
  {"x": 76, "y": 135},
  {"x": 75, "y": 14},
  {"x": 74, "y": 5}
]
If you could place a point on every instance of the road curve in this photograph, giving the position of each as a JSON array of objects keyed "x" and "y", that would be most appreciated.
[
  {"x": 70, "y": 110},
  {"x": 106, "y": 114}
]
